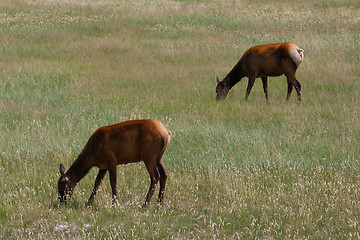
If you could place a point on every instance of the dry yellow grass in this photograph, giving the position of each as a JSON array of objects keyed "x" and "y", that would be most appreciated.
[{"x": 237, "y": 170}]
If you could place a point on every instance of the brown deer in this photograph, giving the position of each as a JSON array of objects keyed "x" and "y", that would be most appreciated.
[
  {"x": 264, "y": 61},
  {"x": 122, "y": 143}
]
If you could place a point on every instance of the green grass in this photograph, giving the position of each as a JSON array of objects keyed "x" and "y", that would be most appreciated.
[{"x": 237, "y": 169}]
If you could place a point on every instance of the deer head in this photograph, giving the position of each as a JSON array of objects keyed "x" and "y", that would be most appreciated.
[
  {"x": 221, "y": 89},
  {"x": 64, "y": 186}
]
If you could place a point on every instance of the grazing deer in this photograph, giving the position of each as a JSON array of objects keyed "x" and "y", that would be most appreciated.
[
  {"x": 264, "y": 61},
  {"x": 122, "y": 143}
]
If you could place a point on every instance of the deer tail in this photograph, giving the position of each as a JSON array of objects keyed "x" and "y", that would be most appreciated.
[{"x": 301, "y": 53}]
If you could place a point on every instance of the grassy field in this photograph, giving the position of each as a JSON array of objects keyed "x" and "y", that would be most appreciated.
[{"x": 237, "y": 169}]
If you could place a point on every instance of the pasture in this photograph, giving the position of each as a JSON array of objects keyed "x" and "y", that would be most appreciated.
[{"x": 236, "y": 169}]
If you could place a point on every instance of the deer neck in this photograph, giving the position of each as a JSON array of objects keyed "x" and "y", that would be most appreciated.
[
  {"x": 78, "y": 170},
  {"x": 234, "y": 76}
]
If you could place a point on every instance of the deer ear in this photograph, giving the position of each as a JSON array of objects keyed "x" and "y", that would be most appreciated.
[
  {"x": 62, "y": 169},
  {"x": 64, "y": 179},
  {"x": 217, "y": 79}
]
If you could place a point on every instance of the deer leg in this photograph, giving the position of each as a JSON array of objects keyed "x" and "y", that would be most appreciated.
[
  {"x": 298, "y": 88},
  {"x": 290, "y": 88},
  {"x": 265, "y": 81},
  {"x": 249, "y": 87},
  {"x": 98, "y": 181},
  {"x": 163, "y": 177},
  {"x": 112, "y": 172},
  {"x": 293, "y": 82},
  {"x": 154, "y": 178}
]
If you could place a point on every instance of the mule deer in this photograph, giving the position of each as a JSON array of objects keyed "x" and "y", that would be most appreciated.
[
  {"x": 122, "y": 143},
  {"x": 264, "y": 61}
]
